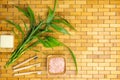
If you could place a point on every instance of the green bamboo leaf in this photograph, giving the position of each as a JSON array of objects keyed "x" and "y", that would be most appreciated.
[
  {"x": 51, "y": 45},
  {"x": 53, "y": 41},
  {"x": 17, "y": 26},
  {"x": 50, "y": 31},
  {"x": 32, "y": 45},
  {"x": 55, "y": 4},
  {"x": 45, "y": 44},
  {"x": 31, "y": 13},
  {"x": 50, "y": 42},
  {"x": 37, "y": 28},
  {"x": 59, "y": 28},
  {"x": 73, "y": 56},
  {"x": 50, "y": 15},
  {"x": 26, "y": 27},
  {"x": 65, "y": 22},
  {"x": 41, "y": 31},
  {"x": 25, "y": 12}
]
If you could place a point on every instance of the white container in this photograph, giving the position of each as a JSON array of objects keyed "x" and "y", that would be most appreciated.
[{"x": 6, "y": 41}]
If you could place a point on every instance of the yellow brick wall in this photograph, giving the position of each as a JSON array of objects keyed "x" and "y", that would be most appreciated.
[{"x": 96, "y": 42}]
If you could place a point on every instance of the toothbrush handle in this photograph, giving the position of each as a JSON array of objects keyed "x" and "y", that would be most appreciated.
[
  {"x": 27, "y": 73},
  {"x": 19, "y": 69},
  {"x": 24, "y": 62}
]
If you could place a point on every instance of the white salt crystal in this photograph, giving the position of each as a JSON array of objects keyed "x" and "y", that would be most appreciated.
[{"x": 6, "y": 41}]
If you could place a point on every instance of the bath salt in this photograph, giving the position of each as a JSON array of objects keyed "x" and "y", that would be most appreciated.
[{"x": 56, "y": 65}]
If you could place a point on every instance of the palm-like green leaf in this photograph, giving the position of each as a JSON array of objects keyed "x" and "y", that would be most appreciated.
[
  {"x": 38, "y": 27},
  {"x": 50, "y": 31},
  {"x": 73, "y": 56},
  {"x": 65, "y": 22},
  {"x": 50, "y": 42},
  {"x": 51, "y": 13},
  {"x": 45, "y": 44},
  {"x": 53, "y": 41},
  {"x": 17, "y": 26},
  {"x": 25, "y": 12},
  {"x": 32, "y": 45},
  {"x": 42, "y": 42},
  {"x": 31, "y": 13},
  {"x": 59, "y": 28},
  {"x": 55, "y": 4},
  {"x": 26, "y": 27}
]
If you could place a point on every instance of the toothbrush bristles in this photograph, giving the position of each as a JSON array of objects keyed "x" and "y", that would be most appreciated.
[{"x": 35, "y": 57}]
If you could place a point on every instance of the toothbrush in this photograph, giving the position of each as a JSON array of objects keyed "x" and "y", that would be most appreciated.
[
  {"x": 34, "y": 57},
  {"x": 26, "y": 67},
  {"x": 27, "y": 73}
]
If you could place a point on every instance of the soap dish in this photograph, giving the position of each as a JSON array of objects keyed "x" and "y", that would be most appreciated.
[
  {"x": 56, "y": 65},
  {"x": 6, "y": 41}
]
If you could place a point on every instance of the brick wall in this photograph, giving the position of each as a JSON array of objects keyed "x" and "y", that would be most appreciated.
[{"x": 95, "y": 43}]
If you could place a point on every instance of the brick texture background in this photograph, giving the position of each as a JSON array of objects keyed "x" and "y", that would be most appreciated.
[{"x": 96, "y": 43}]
